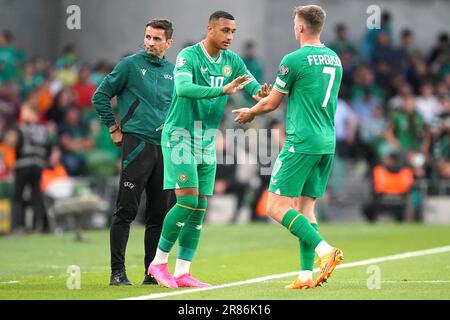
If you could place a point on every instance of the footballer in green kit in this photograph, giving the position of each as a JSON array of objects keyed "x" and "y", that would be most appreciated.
[
  {"x": 310, "y": 77},
  {"x": 205, "y": 75}
]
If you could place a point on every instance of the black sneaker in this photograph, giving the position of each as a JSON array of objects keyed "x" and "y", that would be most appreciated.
[
  {"x": 119, "y": 278},
  {"x": 149, "y": 280}
]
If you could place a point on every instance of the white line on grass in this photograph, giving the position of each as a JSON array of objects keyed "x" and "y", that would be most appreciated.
[
  {"x": 400, "y": 256},
  {"x": 9, "y": 282}
]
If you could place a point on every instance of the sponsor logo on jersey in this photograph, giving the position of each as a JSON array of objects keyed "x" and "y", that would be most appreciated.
[
  {"x": 182, "y": 177},
  {"x": 227, "y": 70},
  {"x": 168, "y": 77},
  {"x": 180, "y": 62},
  {"x": 143, "y": 71},
  {"x": 284, "y": 70},
  {"x": 204, "y": 69}
]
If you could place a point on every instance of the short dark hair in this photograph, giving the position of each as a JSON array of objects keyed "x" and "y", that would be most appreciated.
[
  {"x": 163, "y": 24},
  {"x": 220, "y": 14},
  {"x": 406, "y": 33},
  {"x": 313, "y": 15}
]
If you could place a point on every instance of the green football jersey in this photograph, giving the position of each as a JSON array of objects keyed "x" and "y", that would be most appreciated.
[
  {"x": 200, "y": 117},
  {"x": 311, "y": 77}
]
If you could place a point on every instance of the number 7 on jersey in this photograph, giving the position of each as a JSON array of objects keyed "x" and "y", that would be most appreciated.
[{"x": 332, "y": 73}]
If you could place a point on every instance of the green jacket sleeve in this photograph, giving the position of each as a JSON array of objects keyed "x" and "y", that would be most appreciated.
[
  {"x": 111, "y": 86},
  {"x": 251, "y": 86},
  {"x": 185, "y": 88}
]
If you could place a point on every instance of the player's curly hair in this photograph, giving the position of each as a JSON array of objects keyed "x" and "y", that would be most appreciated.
[{"x": 313, "y": 15}]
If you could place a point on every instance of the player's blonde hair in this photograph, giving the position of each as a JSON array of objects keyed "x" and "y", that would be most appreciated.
[{"x": 314, "y": 17}]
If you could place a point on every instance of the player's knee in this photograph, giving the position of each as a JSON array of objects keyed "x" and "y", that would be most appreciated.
[
  {"x": 272, "y": 209},
  {"x": 188, "y": 201}
]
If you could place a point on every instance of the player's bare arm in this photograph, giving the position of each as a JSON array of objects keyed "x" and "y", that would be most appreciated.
[{"x": 265, "y": 105}]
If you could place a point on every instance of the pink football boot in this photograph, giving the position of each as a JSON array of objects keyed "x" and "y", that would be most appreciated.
[
  {"x": 186, "y": 280},
  {"x": 162, "y": 275}
]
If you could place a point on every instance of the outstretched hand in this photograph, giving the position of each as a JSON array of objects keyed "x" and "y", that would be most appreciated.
[
  {"x": 244, "y": 115},
  {"x": 235, "y": 85},
  {"x": 263, "y": 92}
]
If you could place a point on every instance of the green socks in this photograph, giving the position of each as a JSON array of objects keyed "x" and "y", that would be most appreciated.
[
  {"x": 175, "y": 220},
  {"x": 307, "y": 253},
  {"x": 300, "y": 227},
  {"x": 190, "y": 234}
]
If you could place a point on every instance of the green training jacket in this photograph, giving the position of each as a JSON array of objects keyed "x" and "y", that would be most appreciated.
[{"x": 143, "y": 85}]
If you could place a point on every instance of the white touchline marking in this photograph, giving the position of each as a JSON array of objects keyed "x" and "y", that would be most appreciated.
[
  {"x": 9, "y": 282},
  {"x": 400, "y": 256}
]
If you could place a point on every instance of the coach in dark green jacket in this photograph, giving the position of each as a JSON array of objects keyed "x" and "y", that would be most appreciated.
[{"x": 143, "y": 85}]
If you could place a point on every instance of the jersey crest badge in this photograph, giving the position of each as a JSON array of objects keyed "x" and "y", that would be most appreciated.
[
  {"x": 227, "y": 70},
  {"x": 182, "y": 177}
]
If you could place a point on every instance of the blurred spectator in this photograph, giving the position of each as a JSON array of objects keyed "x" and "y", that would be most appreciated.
[
  {"x": 227, "y": 181},
  {"x": 7, "y": 153},
  {"x": 255, "y": 66},
  {"x": 385, "y": 54},
  {"x": 417, "y": 71},
  {"x": 28, "y": 81},
  {"x": 10, "y": 57},
  {"x": 441, "y": 48},
  {"x": 253, "y": 63},
  {"x": 67, "y": 66},
  {"x": 407, "y": 47},
  {"x": 341, "y": 42},
  {"x": 101, "y": 69},
  {"x": 63, "y": 100},
  {"x": 45, "y": 97},
  {"x": 370, "y": 39},
  {"x": 83, "y": 89},
  {"x": 346, "y": 122},
  {"x": 103, "y": 160},
  {"x": 365, "y": 88},
  {"x": 33, "y": 150},
  {"x": 371, "y": 135},
  {"x": 348, "y": 62},
  {"x": 68, "y": 57},
  {"x": 55, "y": 85},
  {"x": 441, "y": 137},
  {"x": 408, "y": 133},
  {"x": 427, "y": 103},
  {"x": 277, "y": 135},
  {"x": 9, "y": 101},
  {"x": 75, "y": 141},
  {"x": 403, "y": 89}
]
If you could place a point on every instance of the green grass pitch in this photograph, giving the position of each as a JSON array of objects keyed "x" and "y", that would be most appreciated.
[{"x": 35, "y": 266}]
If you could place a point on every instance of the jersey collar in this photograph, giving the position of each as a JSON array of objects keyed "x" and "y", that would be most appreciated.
[
  {"x": 208, "y": 56},
  {"x": 318, "y": 46},
  {"x": 153, "y": 59}
]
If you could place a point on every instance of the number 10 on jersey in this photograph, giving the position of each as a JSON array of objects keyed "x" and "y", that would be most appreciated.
[{"x": 216, "y": 81}]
